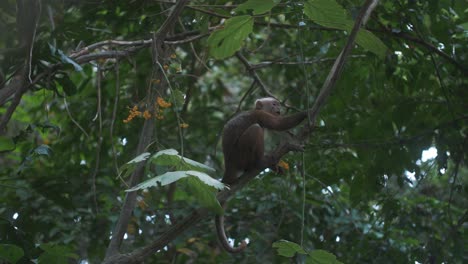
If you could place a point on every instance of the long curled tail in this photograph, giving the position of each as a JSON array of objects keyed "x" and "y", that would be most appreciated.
[{"x": 219, "y": 223}]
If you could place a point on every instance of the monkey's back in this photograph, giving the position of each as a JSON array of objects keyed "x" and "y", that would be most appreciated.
[{"x": 234, "y": 129}]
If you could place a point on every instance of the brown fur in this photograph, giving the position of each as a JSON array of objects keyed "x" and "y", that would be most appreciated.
[{"x": 243, "y": 147}]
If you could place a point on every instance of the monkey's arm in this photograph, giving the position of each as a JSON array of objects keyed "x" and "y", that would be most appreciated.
[{"x": 280, "y": 123}]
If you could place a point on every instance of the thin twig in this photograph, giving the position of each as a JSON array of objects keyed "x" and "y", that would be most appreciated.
[
  {"x": 114, "y": 116},
  {"x": 72, "y": 119}
]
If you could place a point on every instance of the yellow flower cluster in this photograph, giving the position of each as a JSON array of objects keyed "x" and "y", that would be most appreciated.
[
  {"x": 133, "y": 113},
  {"x": 162, "y": 103},
  {"x": 146, "y": 114},
  {"x": 283, "y": 164}
]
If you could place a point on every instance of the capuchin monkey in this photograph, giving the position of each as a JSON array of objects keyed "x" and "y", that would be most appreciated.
[{"x": 243, "y": 147}]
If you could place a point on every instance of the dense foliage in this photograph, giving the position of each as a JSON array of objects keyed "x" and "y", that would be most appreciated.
[{"x": 360, "y": 191}]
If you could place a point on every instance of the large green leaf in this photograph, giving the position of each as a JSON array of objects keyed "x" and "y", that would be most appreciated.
[
  {"x": 288, "y": 249},
  {"x": 372, "y": 43},
  {"x": 329, "y": 13},
  {"x": 56, "y": 254},
  {"x": 322, "y": 257},
  {"x": 225, "y": 42},
  {"x": 257, "y": 6},
  {"x": 10, "y": 253}
]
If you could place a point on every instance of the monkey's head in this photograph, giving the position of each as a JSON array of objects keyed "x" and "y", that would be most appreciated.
[{"x": 268, "y": 104}]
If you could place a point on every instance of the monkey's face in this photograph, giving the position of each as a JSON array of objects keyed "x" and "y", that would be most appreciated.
[
  {"x": 275, "y": 107},
  {"x": 269, "y": 105}
]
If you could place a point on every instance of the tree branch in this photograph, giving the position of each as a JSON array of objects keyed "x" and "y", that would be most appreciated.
[{"x": 254, "y": 74}]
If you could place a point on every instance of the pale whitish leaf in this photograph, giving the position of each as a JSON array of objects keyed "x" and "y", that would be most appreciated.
[
  {"x": 170, "y": 157},
  {"x": 143, "y": 156},
  {"x": 328, "y": 13},
  {"x": 372, "y": 43},
  {"x": 164, "y": 179},
  {"x": 258, "y": 6},
  {"x": 225, "y": 42},
  {"x": 201, "y": 185},
  {"x": 129, "y": 167},
  {"x": 173, "y": 176},
  {"x": 322, "y": 257},
  {"x": 205, "y": 178},
  {"x": 43, "y": 150},
  {"x": 64, "y": 58},
  {"x": 287, "y": 248}
]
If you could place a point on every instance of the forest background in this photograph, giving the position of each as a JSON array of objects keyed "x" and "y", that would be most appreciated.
[{"x": 99, "y": 96}]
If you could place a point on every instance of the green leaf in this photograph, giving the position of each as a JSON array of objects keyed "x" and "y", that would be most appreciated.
[
  {"x": 6, "y": 144},
  {"x": 224, "y": 42},
  {"x": 204, "y": 193},
  {"x": 177, "y": 98},
  {"x": 68, "y": 86},
  {"x": 258, "y": 6},
  {"x": 322, "y": 257},
  {"x": 170, "y": 157},
  {"x": 10, "y": 253},
  {"x": 328, "y": 13},
  {"x": 288, "y": 249},
  {"x": 372, "y": 43},
  {"x": 56, "y": 254}
]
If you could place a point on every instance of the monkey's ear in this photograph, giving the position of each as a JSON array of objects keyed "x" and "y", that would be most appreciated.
[{"x": 258, "y": 104}]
